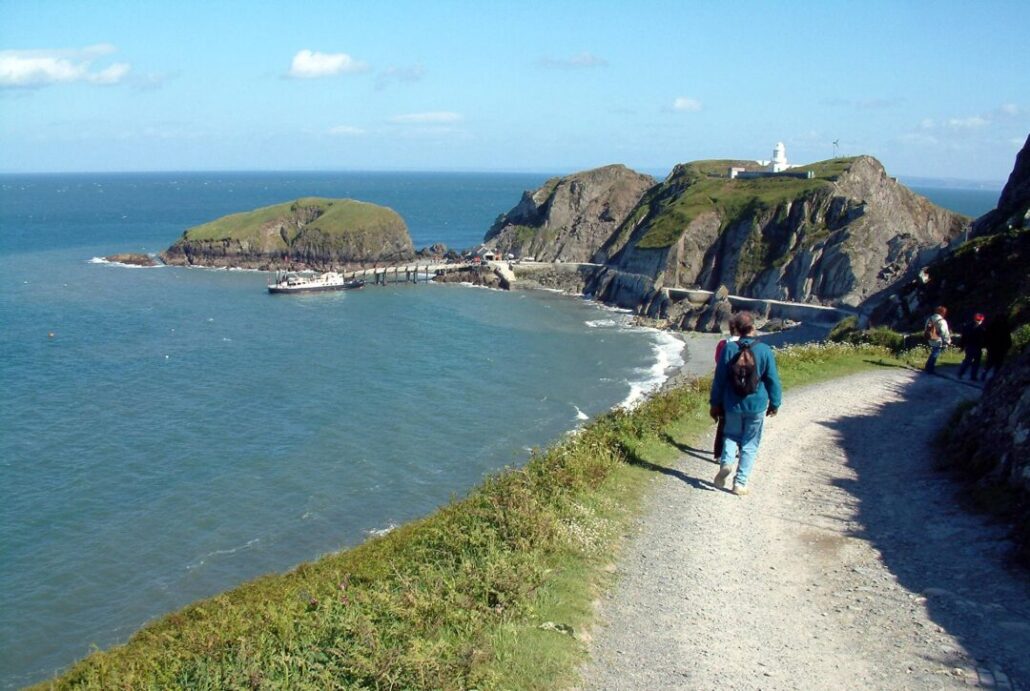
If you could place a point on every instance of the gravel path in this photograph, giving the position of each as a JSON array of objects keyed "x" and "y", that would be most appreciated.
[{"x": 849, "y": 566}]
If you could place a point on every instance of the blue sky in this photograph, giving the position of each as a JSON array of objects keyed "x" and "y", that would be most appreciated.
[{"x": 931, "y": 89}]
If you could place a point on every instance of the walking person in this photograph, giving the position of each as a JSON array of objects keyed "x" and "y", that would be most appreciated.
[
  {"x": 972, "y": 346},
  {"x": 937, "y": 334},
  {"x": 745, "y": 390},
  {"x": 720, "y": 427},
  {"x": 997, "y": 340}
]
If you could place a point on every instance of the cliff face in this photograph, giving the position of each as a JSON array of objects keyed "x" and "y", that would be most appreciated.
[
  {"x": 1013, "y": 210},
  {"x": 990, "y": 273},
  {"x": 309, "y": 233},
  {"x": 569, "y": 218},
  {"x": 838, "y": 238}
]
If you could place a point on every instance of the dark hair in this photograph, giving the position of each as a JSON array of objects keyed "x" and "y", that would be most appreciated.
[
  {"x": 742, "y": 323},
  {"x": 942, "y": 310}
]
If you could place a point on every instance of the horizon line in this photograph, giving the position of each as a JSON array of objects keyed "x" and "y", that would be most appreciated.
[{"x": 976, "y": 183}]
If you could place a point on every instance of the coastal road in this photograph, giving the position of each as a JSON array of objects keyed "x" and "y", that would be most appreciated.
[{"x": 851, "y": 565}]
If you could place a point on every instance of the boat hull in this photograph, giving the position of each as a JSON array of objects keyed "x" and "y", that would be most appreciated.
[{"x": 322, "y": 288}]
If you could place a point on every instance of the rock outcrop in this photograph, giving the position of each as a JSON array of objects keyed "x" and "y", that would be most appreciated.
[
  {"x": 990, "y": 443},
  {"x": 569, "y": 218},
  {"x": 309, "y": 233},
  {"x": 133, "y": 259},
  {"x": 839, "y": 237},
  {"x": 840, "y": 232},
  {"x": 1013, "y": 210},
  {"x": 990, "y": 273}
]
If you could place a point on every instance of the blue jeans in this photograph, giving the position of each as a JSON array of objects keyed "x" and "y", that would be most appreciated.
[
  {"x": 743, "y": 433},
  {"x": 935, "y": 351}
]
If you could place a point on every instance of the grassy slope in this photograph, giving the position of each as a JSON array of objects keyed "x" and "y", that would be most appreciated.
[
  {"x": 458, "y": 599},
  {"x": 339, "y": 217},
  {"x": 704, "y": 186}
]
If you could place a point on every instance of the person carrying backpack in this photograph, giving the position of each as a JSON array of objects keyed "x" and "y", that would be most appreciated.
[
  {"x": 937, "y": 335},
  {"x": 720, "y": 427},
  {"x": 745, "y": 390}
]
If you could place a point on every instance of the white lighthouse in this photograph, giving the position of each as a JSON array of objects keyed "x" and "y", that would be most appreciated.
[{"x": 779, "y": 159}]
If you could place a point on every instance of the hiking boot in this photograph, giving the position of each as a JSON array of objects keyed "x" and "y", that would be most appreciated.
[
  {"x": 740, "y": 490},
  {"x": 720, "y": 477}
]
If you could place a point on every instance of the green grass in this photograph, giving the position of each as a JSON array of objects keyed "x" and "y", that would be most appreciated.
[
  {"x": 704, "y": 186},
  {"x": 331, "y": 216},
  {"x": 492, "y": 591}
]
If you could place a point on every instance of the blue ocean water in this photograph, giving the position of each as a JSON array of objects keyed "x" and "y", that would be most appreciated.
[{"x": 167, "y": 433}]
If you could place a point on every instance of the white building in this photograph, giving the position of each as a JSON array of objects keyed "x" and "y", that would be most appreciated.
[
  {"x": 778, "y": 164},
  {"x": 779, "y": 159}
]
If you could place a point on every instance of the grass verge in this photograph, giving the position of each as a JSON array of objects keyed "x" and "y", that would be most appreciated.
[{"x": 492, "y": 591}]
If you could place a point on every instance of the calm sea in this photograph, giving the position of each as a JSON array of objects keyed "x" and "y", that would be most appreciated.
[{"x": 168, "y": 433}]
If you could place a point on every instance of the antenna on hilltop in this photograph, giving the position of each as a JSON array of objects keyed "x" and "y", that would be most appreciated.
[{"x": 836, "y": 148}]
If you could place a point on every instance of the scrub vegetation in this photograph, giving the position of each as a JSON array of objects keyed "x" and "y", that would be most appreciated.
[
  {"x": 705, "y": 186},
  {"x": 491, "y": 591}
]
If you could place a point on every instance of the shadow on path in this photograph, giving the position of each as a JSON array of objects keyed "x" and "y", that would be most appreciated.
[
  {"x": 634, "y": 459},
  {"x": 703, "y": 454},
  {"x": 913, "y": 515}
]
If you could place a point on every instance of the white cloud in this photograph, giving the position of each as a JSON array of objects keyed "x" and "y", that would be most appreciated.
[
  {"x": 1009, "y": 109},
  {"x": 309, "y": 65},
  {"x": 346, "y": 131},
  {"x": 435, "y": 118},
  {"x": 972, "y": 122},
  {"x": 582, "y": 61},
  {"x": 687, "y": 105},
  {"x": 37, "y": 68},
  {"x": 927, "y": 124}
]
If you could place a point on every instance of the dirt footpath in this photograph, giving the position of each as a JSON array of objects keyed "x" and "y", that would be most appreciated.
[{"x": 850, "y": 565}]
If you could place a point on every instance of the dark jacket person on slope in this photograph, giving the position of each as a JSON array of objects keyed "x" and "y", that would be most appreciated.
[{"x": 746, "y": 389}]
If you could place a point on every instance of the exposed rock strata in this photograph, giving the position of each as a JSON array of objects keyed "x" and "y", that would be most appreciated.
[
  {"x": 569, "y": 218},
  {"x": 843, "y": 237},
  {"x": 839, "y": 238},
  {"x": 309, "y": 233}
]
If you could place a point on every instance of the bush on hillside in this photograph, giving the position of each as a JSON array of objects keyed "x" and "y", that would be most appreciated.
[{"x": 847, "y": 331}]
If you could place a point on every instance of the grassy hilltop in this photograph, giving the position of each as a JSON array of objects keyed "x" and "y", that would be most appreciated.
[
  {"x": 311, "y": 232},
  {"x": 702, "y": 186}
]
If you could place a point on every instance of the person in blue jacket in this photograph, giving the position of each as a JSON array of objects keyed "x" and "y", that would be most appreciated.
[{"x": 745, "y": 415}]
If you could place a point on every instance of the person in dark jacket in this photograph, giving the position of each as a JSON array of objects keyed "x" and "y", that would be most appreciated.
[
  {"x": 997, "y": 340},
  {"x": 972, "y": 346},
  {"x": 720, "y": 428},
  {"x": 745, "y": 414}
]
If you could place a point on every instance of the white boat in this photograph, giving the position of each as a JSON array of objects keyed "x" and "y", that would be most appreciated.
[{"x": 286, "y": 282}]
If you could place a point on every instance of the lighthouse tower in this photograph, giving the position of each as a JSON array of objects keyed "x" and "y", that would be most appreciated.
[{"x": 779, "y": 159}]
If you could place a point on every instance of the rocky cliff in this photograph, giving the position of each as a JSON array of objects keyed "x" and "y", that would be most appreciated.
[
  {"x": 840, "y": 232},
  {"x": 569, "y": 218},
  {"x": 308, "y": 233},
  {"x": 990, "y": 273},
  {"x": 838, "y": 237},
  {"x": 1013, "y": 210}
]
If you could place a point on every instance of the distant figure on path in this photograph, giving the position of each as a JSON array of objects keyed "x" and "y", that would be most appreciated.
[
  {"x": 997, "y": 340},
  {"x": 745, "y": 390},
  {"x": 972, "y": 346},
  {"x": 721, "y": 426},
  {"x": 938, "y": 336}
]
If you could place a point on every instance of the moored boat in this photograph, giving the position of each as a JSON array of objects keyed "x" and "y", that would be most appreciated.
[{"x": 286, "y": 282}]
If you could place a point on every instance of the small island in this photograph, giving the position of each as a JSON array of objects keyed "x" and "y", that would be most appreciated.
[{"x": 308, "y": 233}]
